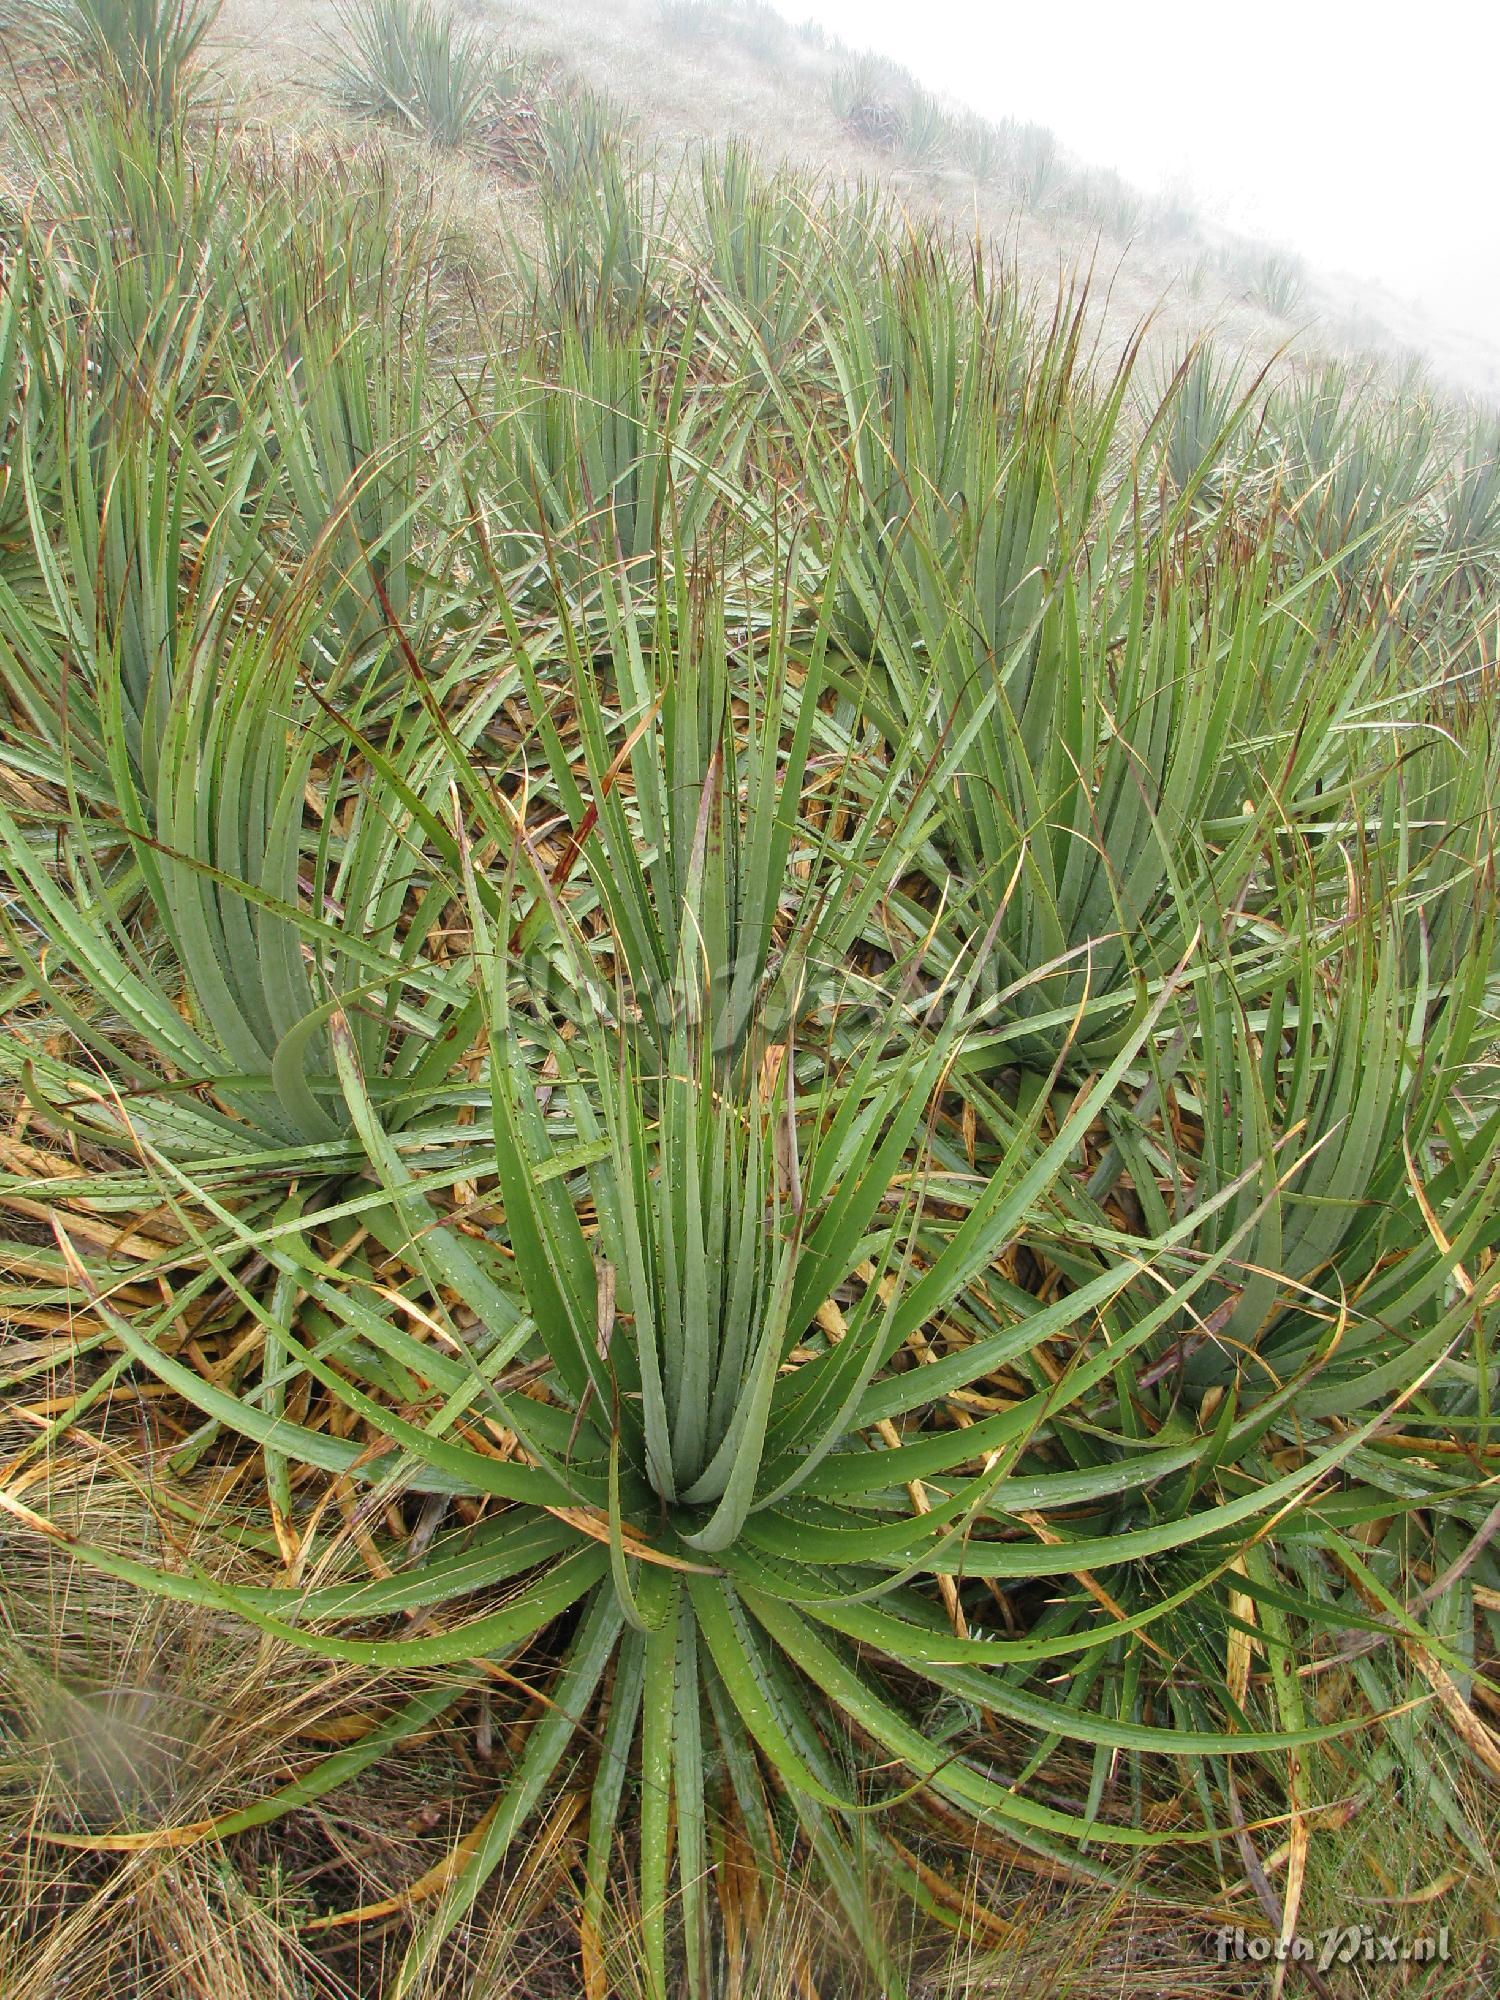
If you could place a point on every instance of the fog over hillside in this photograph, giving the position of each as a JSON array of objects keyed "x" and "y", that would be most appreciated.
[
  {"x": 1366, "y": 151},
  {"x": 1184, "y": 216}
]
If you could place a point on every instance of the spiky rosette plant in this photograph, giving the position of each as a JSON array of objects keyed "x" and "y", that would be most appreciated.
[
  {"x": 768, "y": 256},
  {"x": 345, "y": 467},
  {"x": 132, "y": 468},
  {"x": 1356, "y": 468},
  {"x": 720, "y": 832},
  {"x": 218, "y": 1018},
  {"x": 1201, "y": 411},
  {"x": 196, "y": 977},
  {"x": 1116, "y": 793},
  {"x": 595, "y": 269},
  {"x": 410, "y": 60},
  {"x": 142, "y": 50},
  {"x": 192, "y": 438},
  {"x": 607, "y": 455},
  {"x": 130, "y": 575},
  {"x": 746, "y": 1385},
  {"x": 131, "y": 291},
  {"x": 1459, "y": 555},
  {"x": 964, "y": 457},
  {"x": 692, "y": 1401},
  {"x": 1341, "y": 1071}
]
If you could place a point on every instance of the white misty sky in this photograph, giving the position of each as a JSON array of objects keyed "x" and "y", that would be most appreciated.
[{"x": 1364, "y": 136}]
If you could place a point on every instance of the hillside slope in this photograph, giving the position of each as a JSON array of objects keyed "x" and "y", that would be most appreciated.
[{"x": 694, "y": 71}]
